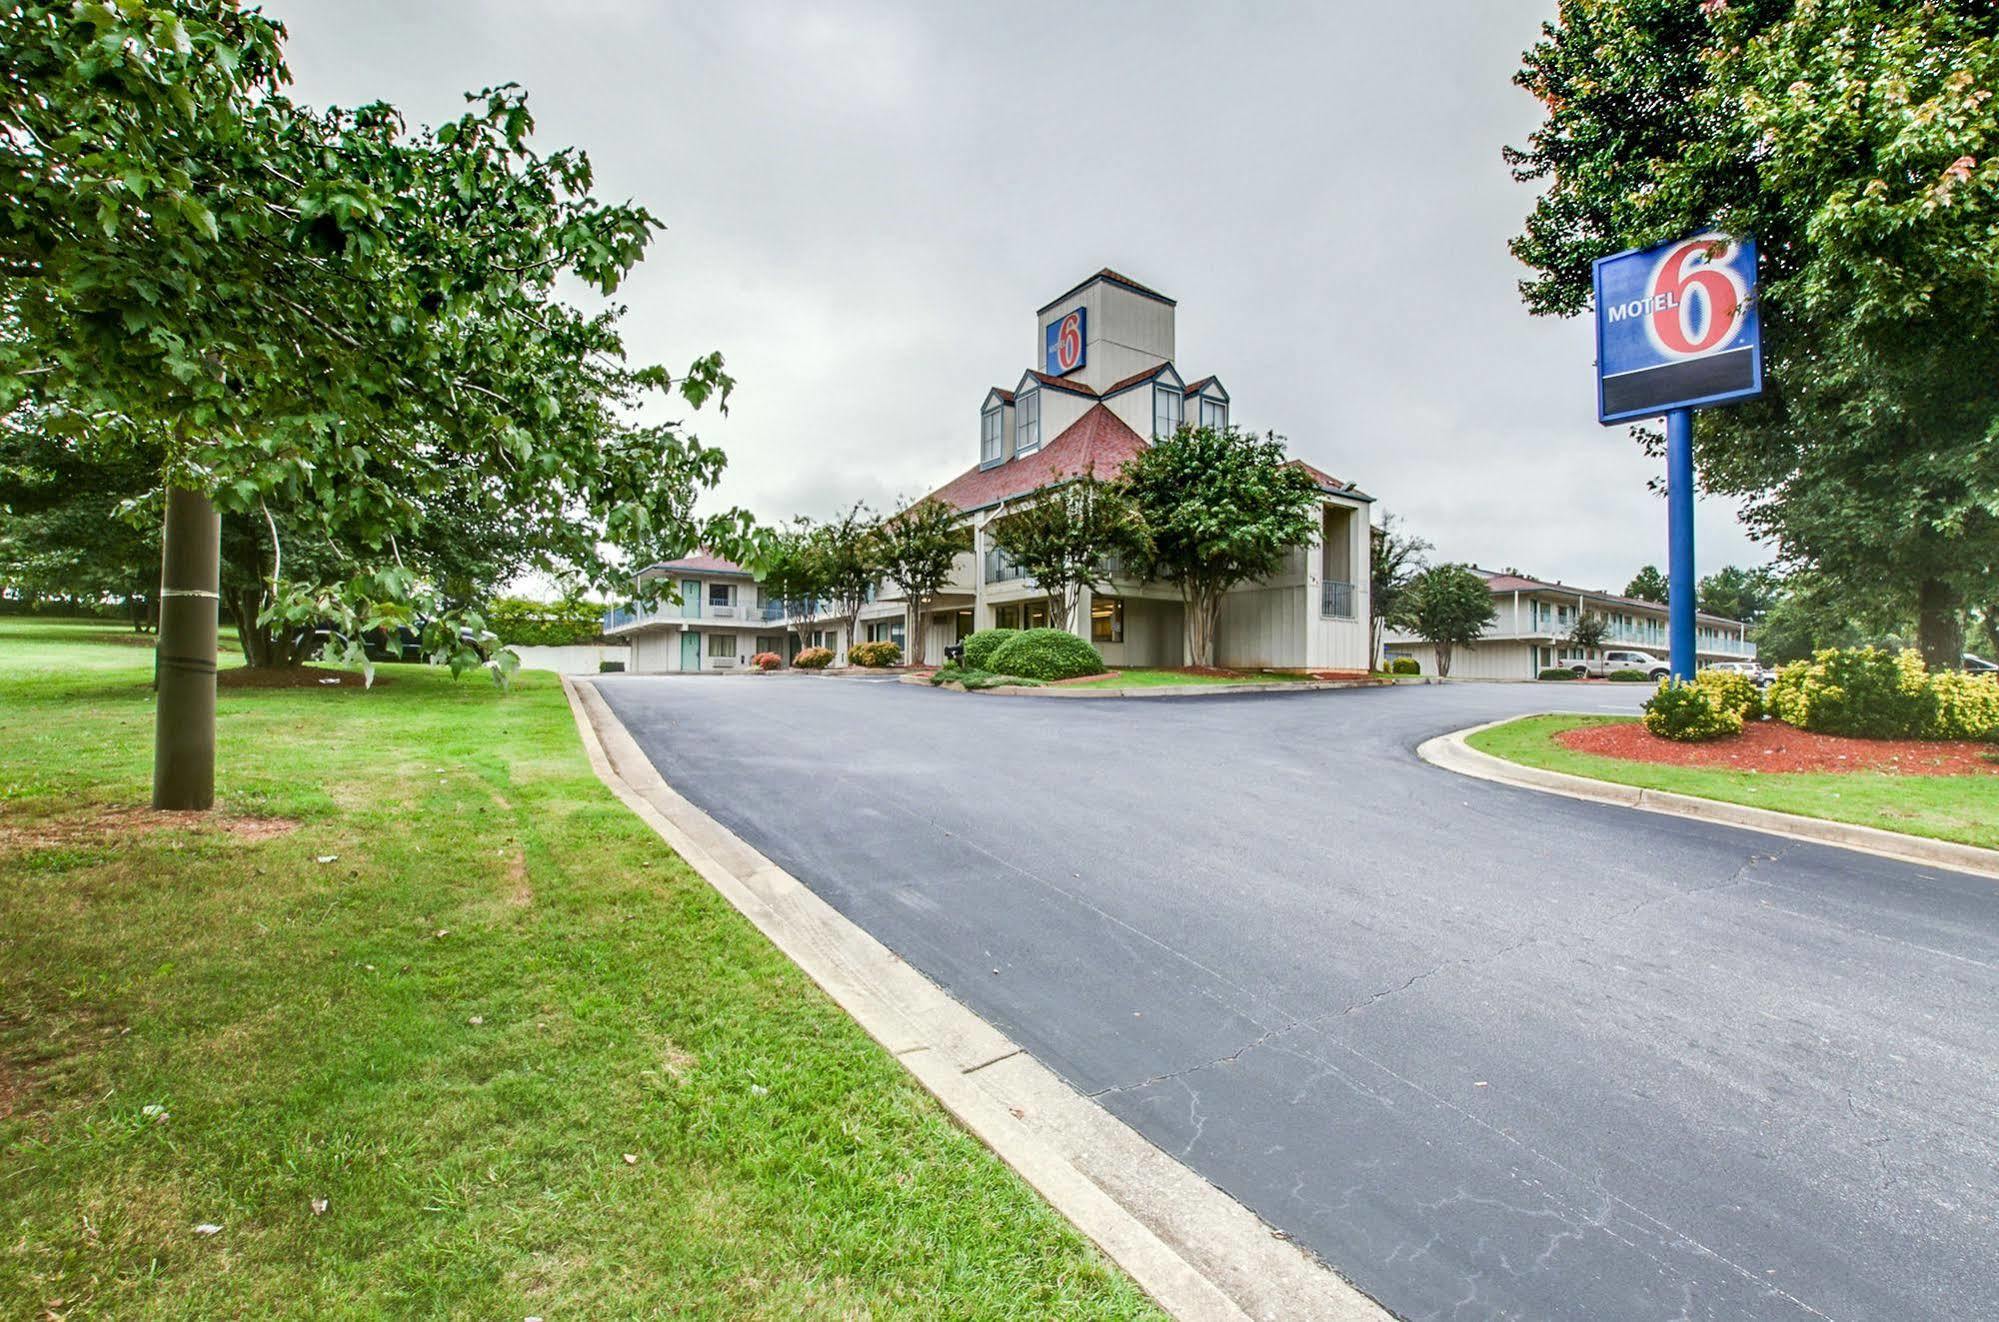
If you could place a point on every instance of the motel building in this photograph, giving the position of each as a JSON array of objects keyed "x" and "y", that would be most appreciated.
[
  {"x": 1107, "y": 385},
  {"x": 1531, "y": 632}
]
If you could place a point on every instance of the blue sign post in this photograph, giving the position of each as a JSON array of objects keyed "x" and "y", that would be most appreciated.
[{"x": 1676, "y": 330}]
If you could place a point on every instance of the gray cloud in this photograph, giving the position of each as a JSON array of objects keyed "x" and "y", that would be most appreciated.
[{"x": 865, "y": 204}]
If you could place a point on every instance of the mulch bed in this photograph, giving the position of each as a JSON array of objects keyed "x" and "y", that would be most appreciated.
[
  {"x": 1772, "y": 746},
  {"x": 293, "y": 677}
]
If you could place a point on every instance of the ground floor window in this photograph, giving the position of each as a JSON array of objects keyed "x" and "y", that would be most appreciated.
[
  {"x": 825, "y": 638},
  {"x": 886, "y": 631},
  {"x": 1107, "y": 620},
  {"x": 962, "y": 626},
  {"x": 767, "y": 644},
  {"x": 721, "y": 644},
  {"x": 1006, "y": 617},
  {"x": 1036, "y": 614}
]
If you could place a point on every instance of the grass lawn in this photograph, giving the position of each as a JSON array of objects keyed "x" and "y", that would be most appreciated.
[
  {"x": 532, "y": 1064},
  {"x": 1960, "y": 808},
  {"x": 1141, "y": 677}
]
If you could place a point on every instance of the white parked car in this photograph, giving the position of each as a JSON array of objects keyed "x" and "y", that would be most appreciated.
[
  {"x": 1621, "y": 658},
  {"x": 1761, "y": 674}
]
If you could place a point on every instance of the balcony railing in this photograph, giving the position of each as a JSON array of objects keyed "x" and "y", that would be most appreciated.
[
  {"x": 1000, "y": 567},
  {"x": 1336, "y": 600}
]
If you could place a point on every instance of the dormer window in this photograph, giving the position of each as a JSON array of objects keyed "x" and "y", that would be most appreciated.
[
  {"x": 1165, "y": 411},
  {"x": 989, "y": 436},
  {"x": 1027, "y": 422},
  {"x": 1214, "y": 413}
]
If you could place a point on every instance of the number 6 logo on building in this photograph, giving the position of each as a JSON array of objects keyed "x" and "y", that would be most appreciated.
[
  {"x": 1065, "y": 344},
  {"x": 1697, "y": 297}
]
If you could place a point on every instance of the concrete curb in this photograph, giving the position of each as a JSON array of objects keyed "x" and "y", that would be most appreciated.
[
  {"x": 1453, "y": 753},
  {"x": 1196, "y": 1251},
  {"x": 1164, "y": 690}
]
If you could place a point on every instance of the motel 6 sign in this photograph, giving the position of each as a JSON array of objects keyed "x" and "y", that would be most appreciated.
[
  {"x": 1677, "y": 327},
  {"x": 1065, "y": 344}
]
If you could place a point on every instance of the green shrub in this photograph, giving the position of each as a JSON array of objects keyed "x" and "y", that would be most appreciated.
[
  {"x": 1862, "y": 691},
  {"x": 813, "y": 658},
  {"x": 980, "y": 679},
  {"x": 1628, "y": 677},
  {"x": 524, "y": 623},
  {"x": 1689, "y": 714},
  {"x": 1405, "y": 665},
  {"x": 875, "y": 655},
  {"x": 1557, "y": 672},
  {"x": 979, "y": 647},
  {"x": 1734, "y": 691},
  {"x": 1042, "y": 654},
  {"x": 1967, "y": 706},
  {"x": 767, "y": 661}
]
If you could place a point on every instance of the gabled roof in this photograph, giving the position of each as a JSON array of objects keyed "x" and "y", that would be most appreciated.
[
  {"x": 1138, "y": 379},
  {"x": 1096, "y": 442},
  {"x": 702, "y": 561},
  {"x": 1327, "y": 482},
  {"x": 1106, "y": 274},
  {"x": 1005, "y": 395},
  {"x": 1057, "y": 383},
  {"x": 1206, "y": 381}
]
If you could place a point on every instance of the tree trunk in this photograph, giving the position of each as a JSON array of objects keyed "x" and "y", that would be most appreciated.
[
  {"x": 1443, "y": 660},
  {"x": 1940, "y": 625},
  {"x": 184, "y": 730}
]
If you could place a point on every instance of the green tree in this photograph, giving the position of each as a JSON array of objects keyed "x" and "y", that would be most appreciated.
[
  {"x": 1589, "y": 630},
  {"x": 1395, "y": 558},
  {"x": 1451, "y": 607},
  {"x": 1648, "y": 584},
  {"x": 1858, "y": 140},
  {"x": 1065, "y": 536},
  {"x": 1219, "y": 507},
  {"x": 321, "y": 309},
  {"x": 1739, "y": 594},
  {"x": 797, "y": 573},
  {"x": 919, "y": 546},
  {"x": 850, "y": 548},
  {"x": 76, "y": 529}
]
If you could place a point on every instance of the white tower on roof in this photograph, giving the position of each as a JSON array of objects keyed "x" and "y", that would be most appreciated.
[{"x": 1104, "y": 330}]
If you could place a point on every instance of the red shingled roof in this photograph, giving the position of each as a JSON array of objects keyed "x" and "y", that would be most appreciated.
[
  {"x": 1106, "y": 274},
  {"x": 1322, "y": 477},
  {"x": 1096, "y": 442},
  {"x": 1062, "y": 383},
  {"x": 1134, "y": 379},
  {"x": 702, "y": 561}
]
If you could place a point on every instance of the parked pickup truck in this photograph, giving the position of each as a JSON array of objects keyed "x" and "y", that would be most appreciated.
[{"x": 1617, "y": 658}]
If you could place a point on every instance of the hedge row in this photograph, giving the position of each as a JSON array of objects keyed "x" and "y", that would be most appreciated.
[
  {"x": 526, "y": 623},
  {"x": 1865, "y": 692}
]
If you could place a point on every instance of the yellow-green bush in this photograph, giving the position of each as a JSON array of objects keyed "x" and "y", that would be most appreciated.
[
  {"x": 813, "y": 658},
  {"x": 1734, "y": 691},
  {"x": 875, "y": 655},
  {"x": 1862, "y": 691},
  {"x": 1967, "y": 706},
  {"x": 1690, "y": 714}
]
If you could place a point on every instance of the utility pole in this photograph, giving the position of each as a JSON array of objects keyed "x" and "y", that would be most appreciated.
[{"x": 184, "y": 727}]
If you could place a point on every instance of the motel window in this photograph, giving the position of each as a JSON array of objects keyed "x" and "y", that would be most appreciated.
[
  {"x": 989, "y": 436},
  {"x": 1006, "y": 617},
  {"x": 1027, "y": 422},
  {"x": 1214, "y": 413},
  {"x": 1036, "y": 614},
  {"x": 1165, "y": 411},
  {"x": 721, "y": 644},
  {"x": 1107, "y": 620},
  {"x": 718, "y": 594}
]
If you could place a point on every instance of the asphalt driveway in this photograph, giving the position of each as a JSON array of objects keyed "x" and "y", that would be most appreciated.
[{"x": 1490, "y": 1053}]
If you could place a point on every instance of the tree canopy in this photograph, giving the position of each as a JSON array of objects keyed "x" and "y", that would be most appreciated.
[
  {"x": 918, "y": 547},
  {"x": 1066, "y": 537},
  {"x": 1451, "y": 607},
  {"x": 1221, "y": 506},
  {"x": 1648, "y": 584},
  {"x": 1395, "y": 558},
  {"x": 1858, "y": 140}
]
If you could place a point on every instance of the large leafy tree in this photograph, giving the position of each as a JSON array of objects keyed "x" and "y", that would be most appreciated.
[
  {"x": 1067, "y": 536},
  {"x": 1220, "y": 506},
  {"x": 1395, "y": 558},
  {"x": 324, "y": 310},
  {"x": 919, "y": 546},
  {"x": 1739, "y": 594},
  {"x": 1648, "y": 584},
  {"x": 797, "y": 572},
  {"x": 1451, "y": 608},
  {"x": 1858, "y": 140},
  {"x": 850, "y": 548},
  {"x": 75, "y": 529}
]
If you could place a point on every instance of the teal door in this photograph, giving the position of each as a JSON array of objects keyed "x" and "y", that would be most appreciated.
[{"x": 690, "y": 650}]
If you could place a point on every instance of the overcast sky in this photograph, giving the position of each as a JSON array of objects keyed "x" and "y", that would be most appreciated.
[{"x": 865, "y": 204}]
